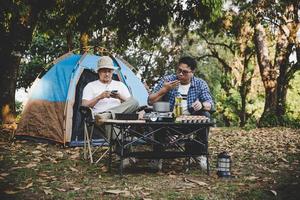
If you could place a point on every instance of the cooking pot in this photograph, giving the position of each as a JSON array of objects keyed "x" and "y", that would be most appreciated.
[{"x": 161, "y": 106}]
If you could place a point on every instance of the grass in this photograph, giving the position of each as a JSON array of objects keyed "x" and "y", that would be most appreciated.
[{"x": 265, "y": 166}]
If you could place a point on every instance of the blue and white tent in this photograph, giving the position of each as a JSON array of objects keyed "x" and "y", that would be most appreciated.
[{"x": 52, "y": 111}]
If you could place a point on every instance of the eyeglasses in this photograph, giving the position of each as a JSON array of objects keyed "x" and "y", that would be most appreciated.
[{"x": 184, "y": 72}]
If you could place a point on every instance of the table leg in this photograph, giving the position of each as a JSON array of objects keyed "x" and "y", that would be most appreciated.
[
  {"x": 206, "y": 145},
  {"x": 122, "y": 131},
  {"x": 110, "y": 153}
]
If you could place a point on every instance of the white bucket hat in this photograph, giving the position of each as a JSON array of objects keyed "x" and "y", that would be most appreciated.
[{"x": 105, "y": 62}]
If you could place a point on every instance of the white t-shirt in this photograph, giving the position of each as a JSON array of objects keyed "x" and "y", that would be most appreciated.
[
  {"x": 183, "y": 90},
  {"x": 95, "y": 88}
]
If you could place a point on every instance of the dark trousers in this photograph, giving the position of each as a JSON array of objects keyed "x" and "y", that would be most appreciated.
[
  {"x": 195, "y": 147},
  {"x": 190, "y": 146}
]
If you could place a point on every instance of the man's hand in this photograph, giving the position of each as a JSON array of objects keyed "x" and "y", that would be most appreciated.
[
  {"x": 171, "y": 85},
  {"x": 167, "y": 86},
  {"x": 105, "y": 94},
  {"x": 117, "y": 95},
  {"x": 197, "y": 105},
  {"x": 206, "y": 105}
]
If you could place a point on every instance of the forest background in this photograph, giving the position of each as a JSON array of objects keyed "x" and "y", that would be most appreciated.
[{"x": 247, "y": 51}]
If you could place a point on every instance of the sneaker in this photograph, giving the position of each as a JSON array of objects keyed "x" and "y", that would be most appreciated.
[
  {"x": 202, "y": 161},
  {"x": 127, "y": 162},
  {"x": 156, "y": 164}
]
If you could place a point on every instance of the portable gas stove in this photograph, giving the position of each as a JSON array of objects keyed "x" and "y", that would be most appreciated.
[{"x": 159, "y": 117}]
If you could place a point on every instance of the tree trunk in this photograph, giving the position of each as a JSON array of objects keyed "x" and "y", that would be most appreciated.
[
  {"x": 226, "y": 120},
  {"x": 69, "y": 38},
  {"x": 287, "y": 43},
  {"x": 282, "y": 88},
  {"x": 13, "y": 42},
  {"x": 242, "y": 114},
  {"x": 8, "y": 75},
  {"x": 282, "y": 61},
  {"x": 243, "y": 90},
  {"x": 245, "y": 87},
  {"x": 269, "y": 77},
  {"x": 276, "y": 78},
  {"x": 281, "y": 100}
]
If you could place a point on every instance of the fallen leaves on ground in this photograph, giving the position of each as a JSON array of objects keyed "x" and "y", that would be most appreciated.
[
  {"x": 200, "y": 183},
  {"x": 10, "y": 192},
  {"x": 26, "y": 187},
  {"x": 4, "y": 174},
  {"x": 31, "y": 165},
  {"x": 258, "y": 147},
  {"x": 124, "y": 193},
  {"x": 73, "y": 169},
  {"x": 48, "y": 191},
  {"x": 258, "y": 158}
]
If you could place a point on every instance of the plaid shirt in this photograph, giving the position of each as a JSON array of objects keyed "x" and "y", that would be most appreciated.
[{"x": 198, "y": 90}]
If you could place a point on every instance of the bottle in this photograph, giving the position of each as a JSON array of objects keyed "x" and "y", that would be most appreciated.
[
  {"x": 178, "y": 105},
  {"x": 180, "y": 109}
]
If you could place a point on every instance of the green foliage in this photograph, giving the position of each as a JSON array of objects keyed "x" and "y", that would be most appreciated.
[
  {"x": 109, "y": 26},
  {"x": 44, "y": 48},
  {"x": 198, "y": 198},
  {"x": 251, "y": 123},
  {"x": 155, "y": 58},
  {"x": 257, "y": 194},
  {"x": 293, "y": 100},
  {"x": 292, "y": 116},
  {"x": 269, "y": 119},
  {"x": 289, "y": 121},
  {"x": 17, "y": 21},
  {"x": 148, "y": 35},
  {"x": 272, "y": 120},
  {"x": 19, "y": 107},
  {"x": 228, "y": 105},
  {"x": 196, "y": 11}
]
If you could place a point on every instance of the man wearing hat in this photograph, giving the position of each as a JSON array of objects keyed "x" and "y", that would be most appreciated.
[{"x": 106, "y": 96}]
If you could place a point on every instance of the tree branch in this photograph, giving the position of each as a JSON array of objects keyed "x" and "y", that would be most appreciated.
[{"x": 217, "y": 44}]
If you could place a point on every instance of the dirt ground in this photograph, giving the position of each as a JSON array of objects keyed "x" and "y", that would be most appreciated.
[{"x": 265, "y": 165}]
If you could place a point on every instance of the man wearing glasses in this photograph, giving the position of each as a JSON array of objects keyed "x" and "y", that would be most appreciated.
[{"x": 197, "y": 99}]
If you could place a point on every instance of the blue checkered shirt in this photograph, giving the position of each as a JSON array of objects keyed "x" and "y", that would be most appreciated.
[{"x": 198, "y": 90}]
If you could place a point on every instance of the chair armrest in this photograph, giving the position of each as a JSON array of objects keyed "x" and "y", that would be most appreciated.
[{"x": 87, "y": 114}]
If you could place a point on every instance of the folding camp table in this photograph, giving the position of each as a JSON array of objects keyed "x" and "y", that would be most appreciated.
[{"x": 133, "y": 134}]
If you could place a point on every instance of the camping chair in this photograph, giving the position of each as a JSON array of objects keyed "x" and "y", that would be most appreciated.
[
  {"x": 83, "y": 122},
  {"x": 89, "y": 126}
]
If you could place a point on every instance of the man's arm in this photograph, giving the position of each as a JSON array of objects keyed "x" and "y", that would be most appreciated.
[
  {"x": 117, "y": 95},
  {"x": 154, "y": 97},
  {"x": 197, "y": 105},
  {"x": 204, "y": 99},
  {"x": 91, "y": 103},
  {"x": 167, "y": 86}
]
